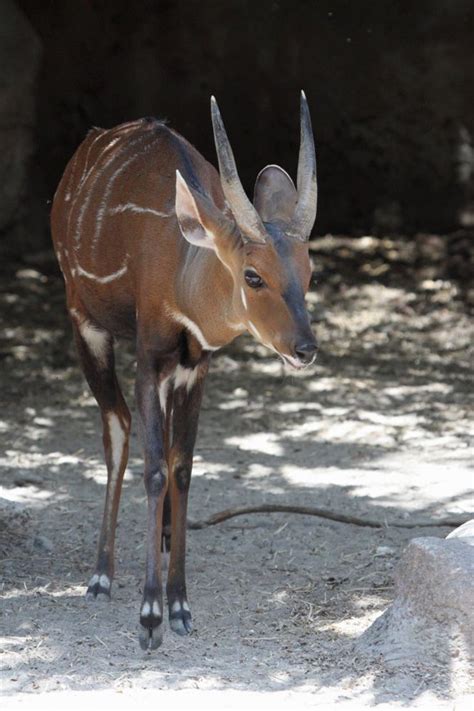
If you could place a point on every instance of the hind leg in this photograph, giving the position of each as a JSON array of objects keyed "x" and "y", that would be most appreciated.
[{"x": 95, "y": 349}]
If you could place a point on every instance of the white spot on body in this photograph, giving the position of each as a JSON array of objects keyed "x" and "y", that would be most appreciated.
[
  {"x": 193, "y": 328},
  {"x": 185, "y": 376},
  {"x": 132, "y": 207}
]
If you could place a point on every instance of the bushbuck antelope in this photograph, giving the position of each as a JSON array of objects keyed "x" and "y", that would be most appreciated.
[{"x": 156, "y": 245}]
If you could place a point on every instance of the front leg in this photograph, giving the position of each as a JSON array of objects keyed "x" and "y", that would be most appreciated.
[
  {"x": 150, "y": 374},
  {"x": 186, "y": 405}
]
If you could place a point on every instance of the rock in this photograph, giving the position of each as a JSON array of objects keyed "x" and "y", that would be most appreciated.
[
  {"x": 430, "y": 622},
  {"x": 43, "y": 544}
]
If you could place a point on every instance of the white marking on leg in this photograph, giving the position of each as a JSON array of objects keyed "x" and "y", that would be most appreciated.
[
  {"x": 156, "y": 609},
  {"x": 132, "y": 207},
  {"x": 176, "y": 606},
  {"x": 94, "y": 580},
  {"x": 186, "y": 606},
  {"x": 243, "y": 297},
  {"x": 104, "y": 581},
  {"x": 117, "y": 440},
  {"x": 194, "y": 328},
  {"x": 96, "y": 340},
  {"x": 104, "y": 279},
  {"x": 163, "y": 392},
  {"x": 146, "y": 609},
  {"x": 185, "y": 376}
]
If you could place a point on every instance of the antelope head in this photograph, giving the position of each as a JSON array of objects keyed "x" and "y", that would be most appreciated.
[{"x": 263, "y": 245}]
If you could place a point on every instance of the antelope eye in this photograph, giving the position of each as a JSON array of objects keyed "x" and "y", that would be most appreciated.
[{"x": 253, "y": 279}]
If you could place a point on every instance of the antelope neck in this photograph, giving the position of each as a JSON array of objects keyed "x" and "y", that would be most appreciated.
[{"x": 205, "y": 296}]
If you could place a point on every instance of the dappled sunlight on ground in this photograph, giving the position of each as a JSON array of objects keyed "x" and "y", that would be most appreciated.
[{"x": 378, "y": 428}]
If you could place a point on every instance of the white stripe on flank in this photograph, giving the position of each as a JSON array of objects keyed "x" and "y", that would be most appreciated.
[
  {"x": 105, "y": 279},
  {"x": 108, "y": 190},
  {"x": 131, "y": 207},
  {"x": 98, "y": 173},
  {"x": 194, "y": 328}
]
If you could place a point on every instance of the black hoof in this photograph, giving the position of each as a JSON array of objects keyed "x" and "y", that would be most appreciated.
[
  {"x": 99, "y": 587},
  {"x": 150, "y": 637},
  {"x": 180, "y": 618}
]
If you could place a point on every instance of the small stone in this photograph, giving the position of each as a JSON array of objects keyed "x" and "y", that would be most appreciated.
[
  {"x": 43, "y": 544},
  {"x": 384, "y": 550}
]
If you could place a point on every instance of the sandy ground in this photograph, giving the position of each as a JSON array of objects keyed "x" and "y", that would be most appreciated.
[{"x": 378, "y": 428}]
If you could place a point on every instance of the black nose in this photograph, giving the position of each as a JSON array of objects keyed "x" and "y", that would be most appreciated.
[{"x": 306, "y": 352}]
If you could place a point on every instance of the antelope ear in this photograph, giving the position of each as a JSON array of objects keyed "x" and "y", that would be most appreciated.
[
  {"x": 190, "y": 211},
  {"x": 275, "y": 195}
]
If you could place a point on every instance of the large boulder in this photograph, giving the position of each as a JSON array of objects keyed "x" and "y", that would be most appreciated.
[{"x": 430, "y": 623}]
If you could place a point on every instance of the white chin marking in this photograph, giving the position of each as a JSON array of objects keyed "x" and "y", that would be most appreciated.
[
  {"x": 294, "y": 362},
  {"x": 193, "y": 328},
  {"x": 185, "y": 376}
]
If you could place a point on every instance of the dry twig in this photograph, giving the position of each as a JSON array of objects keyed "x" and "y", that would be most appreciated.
[{"x": 321, "y": 513}]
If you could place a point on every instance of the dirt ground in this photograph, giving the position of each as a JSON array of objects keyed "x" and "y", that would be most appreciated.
[{"x": 379, "y": 427}]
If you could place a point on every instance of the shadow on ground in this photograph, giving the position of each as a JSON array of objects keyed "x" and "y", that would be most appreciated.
[{"x": 378, "y": 429}]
